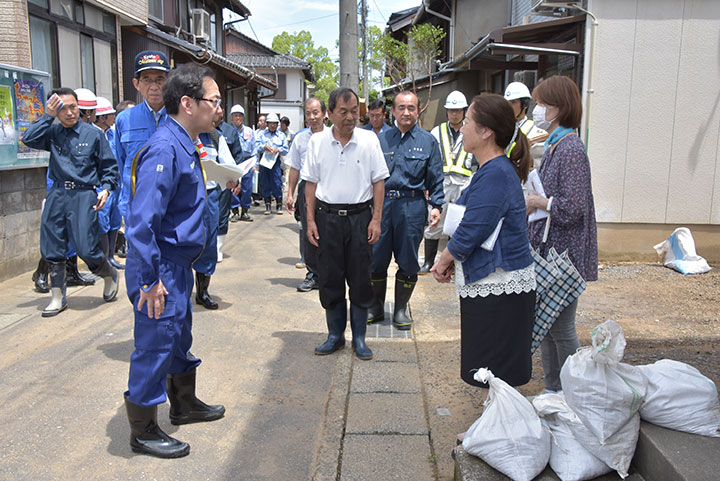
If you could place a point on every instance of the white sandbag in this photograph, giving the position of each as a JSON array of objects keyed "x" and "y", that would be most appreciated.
[
  {"x": 678, "y": 252},
  {"x": 604, "y": 392},
  {"x": 508, "y": 435},
  {"x": 679, "y": 397},
  {"x": 568, "y": 458}
]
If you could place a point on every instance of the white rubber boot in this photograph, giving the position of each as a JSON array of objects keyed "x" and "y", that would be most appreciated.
[
  {"x": 57, "y": 304},
  {"x": 220, "y": 242},
  {"x": 111, "y": 286}
]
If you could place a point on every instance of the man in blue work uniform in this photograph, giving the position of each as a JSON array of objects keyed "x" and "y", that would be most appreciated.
[
  {"x": 80, "y": 160},
  {"x": 232, "y": 139},
  {"x": 272, "y": 142},
  {"x": 166, "y": 234},
  {"x": 415, "y": 165},
  {"x": 376, "y": 114},
  {"x": 134, "y": 126},
  {"x": 247, "y": 145}
]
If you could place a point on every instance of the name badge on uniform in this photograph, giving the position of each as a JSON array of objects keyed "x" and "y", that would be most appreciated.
[
  {"x": 160, "y": 168},
  {"x": 192, "y": 166}
]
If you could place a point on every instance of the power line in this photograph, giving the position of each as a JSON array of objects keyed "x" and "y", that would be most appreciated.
[{"x": 300, "y": 22}]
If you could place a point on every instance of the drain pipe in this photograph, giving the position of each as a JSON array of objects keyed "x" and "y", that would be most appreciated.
[{"x": 424, "y": 6}]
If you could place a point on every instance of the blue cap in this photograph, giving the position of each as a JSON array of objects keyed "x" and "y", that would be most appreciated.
[{"x": 151, "y": 59}]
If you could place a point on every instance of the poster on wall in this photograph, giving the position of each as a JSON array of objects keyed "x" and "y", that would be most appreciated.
[
  {"x": 7, "y": 122},
  {"x": 29, "y": 97}
]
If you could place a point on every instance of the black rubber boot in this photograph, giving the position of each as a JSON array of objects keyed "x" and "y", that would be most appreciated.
[
  {"x": 58, "y": 301},
  {"x": 202, "y": 282},
  {"x": 73, "y": 277},
  {"x": 376, "y": 312},
  {"x": 245, "y": 217},
  {"x": 268, "y": 206},
  {"x": 185, "y": 407},
  {"x": 336, "y": 318},
  {"x": 146, "y": 437},
  {"x": 40, "y": 277},
  {"x": 105, "y": 244},
  {"x": 112, "y": 241},
  {"x": 358, "y": 325},
  {"x": 403, "y": 292},
  {"x": 431, "y": 248},
  {"x": 278, "y": 205},
  {"x": 235, "y": 217}
]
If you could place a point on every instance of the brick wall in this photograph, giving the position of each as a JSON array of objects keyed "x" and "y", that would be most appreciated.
[
  {"x": 21, "y": 194},
  {"x": 14, "y": 34}
]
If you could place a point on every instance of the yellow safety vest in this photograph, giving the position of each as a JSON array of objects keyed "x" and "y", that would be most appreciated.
[
  {"x": 525, "y": 128},
  {"x": 458, "y": 166}
]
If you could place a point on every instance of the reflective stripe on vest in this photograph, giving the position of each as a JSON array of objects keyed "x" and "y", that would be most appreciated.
[
  {"x": 525, "y": 128},
  {"x": 459, "y": 166}
]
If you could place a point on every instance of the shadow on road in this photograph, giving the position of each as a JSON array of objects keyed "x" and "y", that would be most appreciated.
[
  {"x": 118, "y": 351},
  {"x": 291, "y": 282},
  {"x": 288, "y": 261}
]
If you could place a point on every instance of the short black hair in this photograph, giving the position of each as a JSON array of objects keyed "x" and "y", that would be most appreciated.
[
  {"x": 285, "y": 121},
  {"x": 343, "y": 93},
  {"x": 323, "y": 108},
  {"x": 62, "y": 91},
  {"x": 407, "y": 92},
  {"x": 377, "y": 104},
  {"x": 125, "y": 104},
  {"x": 186, "y": 80}
]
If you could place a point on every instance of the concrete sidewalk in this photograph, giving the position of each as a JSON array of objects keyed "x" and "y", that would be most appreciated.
[{"x": 291, "y": 415}]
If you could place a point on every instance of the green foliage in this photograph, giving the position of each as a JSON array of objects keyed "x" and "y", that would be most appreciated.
[{"x": 301, "y": 45}]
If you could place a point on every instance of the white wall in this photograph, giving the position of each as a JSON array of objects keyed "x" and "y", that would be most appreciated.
[
  {"x": 292, "y": 106},
  {"x": 655, "y": 113}
]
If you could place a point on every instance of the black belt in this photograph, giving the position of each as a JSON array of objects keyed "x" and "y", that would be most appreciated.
[
  {"x": 402, "y": 193},
  {"x": 343, "y": 210},
  {"x": 70, "y": 185}
]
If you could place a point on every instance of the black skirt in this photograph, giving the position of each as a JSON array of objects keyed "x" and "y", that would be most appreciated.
[{"x": 496, "y": 333}]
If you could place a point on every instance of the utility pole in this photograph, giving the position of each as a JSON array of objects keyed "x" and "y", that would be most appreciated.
[
  {"x": 365, "y": 76},
  {"x": 348, "y": 44}
]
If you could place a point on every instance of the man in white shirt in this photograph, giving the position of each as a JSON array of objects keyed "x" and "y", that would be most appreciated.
[
  {"x": 314, "y": 115},
  {"x": 345, "y": 174}
]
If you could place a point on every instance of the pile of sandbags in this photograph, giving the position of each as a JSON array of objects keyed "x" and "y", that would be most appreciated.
[{"x": 594, "y": 423}]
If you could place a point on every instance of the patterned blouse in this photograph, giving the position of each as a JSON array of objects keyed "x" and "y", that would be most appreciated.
[{"x": 565, "y": 176}]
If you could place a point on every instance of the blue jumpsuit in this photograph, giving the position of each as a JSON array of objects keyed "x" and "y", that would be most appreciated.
[
  {"x": 109, "y": 216},
  {"x": 208, "y": 259},
  {"x": 271, "y": 179},
  {"x": 80, "y": 160},
  {"x": 247, "y": 141},
  {"x": 165, "y": 234},
  {"x": 133, "y": 128},
  {"x": 415, "y": 165},
  {"x": 233, "y": 140}
]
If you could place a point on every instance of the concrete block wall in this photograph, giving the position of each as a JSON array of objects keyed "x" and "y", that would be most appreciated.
[
  {"x": 21, "y": 194},
  {"x": 14, "y": 34}
]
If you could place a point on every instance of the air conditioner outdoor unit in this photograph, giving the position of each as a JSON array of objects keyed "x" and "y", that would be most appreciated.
[{"x": 201, "y": 24}]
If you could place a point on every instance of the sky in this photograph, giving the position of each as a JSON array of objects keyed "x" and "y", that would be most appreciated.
[{"x": 319, "y": 17}]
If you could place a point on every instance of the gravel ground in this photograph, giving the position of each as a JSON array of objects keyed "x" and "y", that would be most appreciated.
[{"x": 664, "y": 315}]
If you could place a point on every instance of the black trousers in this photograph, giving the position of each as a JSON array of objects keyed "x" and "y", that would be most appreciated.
[
  {"x": 309, "y": 251},
  {"x": 344, "y": 256}
]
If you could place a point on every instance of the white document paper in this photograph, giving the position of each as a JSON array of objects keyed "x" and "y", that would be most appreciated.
[
  {"x": 268, "y": 160},
  {"x": 534, "y": 186},
  {"x": 221, "y": 173},
  {"x": 454, "y": 215}
]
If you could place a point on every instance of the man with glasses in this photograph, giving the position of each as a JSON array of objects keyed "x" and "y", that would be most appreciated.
[
  {"x": 134, "y": 126},
  {"x": 415, "y": 165},
  {"x": 166, "y": 234}
]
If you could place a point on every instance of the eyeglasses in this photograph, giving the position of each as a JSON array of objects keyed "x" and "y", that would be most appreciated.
[
  {"x": 215, "y": 102},
  {"x": 159, "y": 81}
]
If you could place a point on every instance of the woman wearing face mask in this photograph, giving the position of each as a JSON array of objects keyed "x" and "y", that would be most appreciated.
[
  {"x": 497, "y": 286},
  {"x": 565, "y": 176}
]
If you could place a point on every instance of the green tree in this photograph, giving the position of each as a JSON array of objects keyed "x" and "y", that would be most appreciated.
[
  {"x": 301, "y": 45},
  {"x": 406, "y": 62}
]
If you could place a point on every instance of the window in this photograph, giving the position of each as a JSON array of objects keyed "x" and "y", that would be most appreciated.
[
  {"x": 155, "y": 9},
  {"x": 281, "y": 93},
  {"x": 63, "y": 8},
  {"x": 87, "y": 62},
  {"x": 42, "y": 43},
  {"x": 94, "y": 18},
  {"x": 40, "y": 3},
  {"x": 183, "y": 13},
  {"x": 213, "y": 32}
]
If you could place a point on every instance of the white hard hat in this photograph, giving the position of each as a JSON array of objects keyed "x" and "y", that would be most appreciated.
[
  {"x": 104, "y": 107},
  {"x": 86, "y": 99},
  {"x": 237, "y": 109},
  {"x": 517, "y": 90},
  {"x": 272, "y": 118},
  {"x": 456, "y": 100}
]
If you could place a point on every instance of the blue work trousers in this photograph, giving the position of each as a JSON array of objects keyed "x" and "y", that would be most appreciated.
[
  {"x": 162, "y": 346},
  {"x": 68, "y": 219},
  {"x": 109, "y": 217},
  {"x": 271, "y": 181},
  {"x": 246, "y": 190},
  {"x": 402, "y": 227},
  {"x": 208, "y": 259}
]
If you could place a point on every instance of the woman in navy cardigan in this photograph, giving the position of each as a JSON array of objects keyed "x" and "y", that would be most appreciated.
[{"x": 496, "y": 287}]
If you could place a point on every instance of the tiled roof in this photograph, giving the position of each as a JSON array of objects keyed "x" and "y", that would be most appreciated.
[{"x": 268, "y": 60}]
